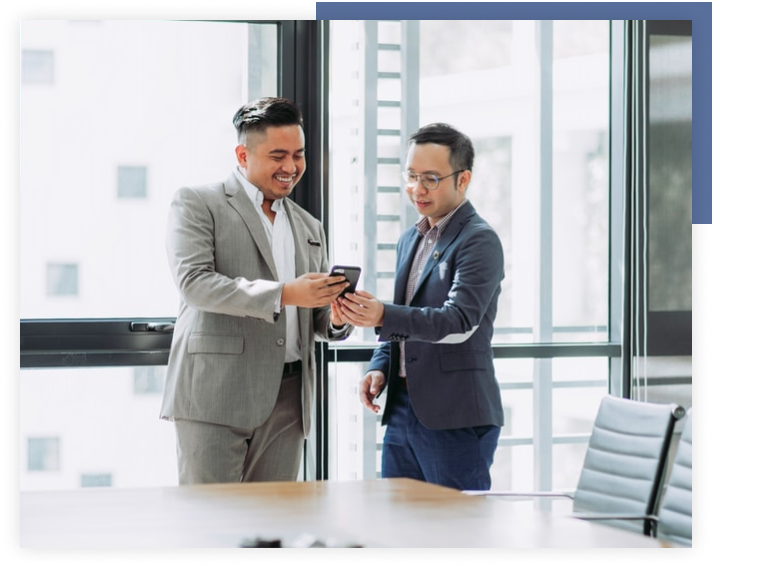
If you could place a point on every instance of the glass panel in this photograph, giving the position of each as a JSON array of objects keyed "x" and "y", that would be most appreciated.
[
  {"x": 87, "y": 253},
  {"x": 669, "y": 266},
  {"x": 574, "y": 411},
  {"x": 512, "y": 468},
  {"x": 86, "y": 427},
  {"x": 668, "y": 277},
  {"x": 156, "y": 94},
  {"x": 580, "y": 370},
  {"x": 354, "y": 431},
  {"x": 454, "y": 47},
  {"x": 580, "y": 199},
  {"x": 484, "y": 78},
  {"x": 149, "y": 380},
  {"x": 664, "y": 379},
  {"x": 579, "y": 385},
  {"x": 504, "y": 120}
]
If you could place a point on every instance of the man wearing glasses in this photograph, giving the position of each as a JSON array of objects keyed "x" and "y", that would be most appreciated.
[{"x": 443, "y": 409}]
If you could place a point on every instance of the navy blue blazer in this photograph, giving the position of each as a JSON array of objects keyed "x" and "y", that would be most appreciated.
[{"x": 448, "y": 326}]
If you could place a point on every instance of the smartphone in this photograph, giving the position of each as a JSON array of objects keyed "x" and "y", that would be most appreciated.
[{"x": 350, "y": 272}]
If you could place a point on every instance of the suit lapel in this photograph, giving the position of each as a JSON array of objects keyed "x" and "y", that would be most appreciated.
[
  {"x": 450, "y": 234},
  {"x": 239, "y": 200},
  {"x": 299, "y": 236},
  {"x": 405, "y": 260}
]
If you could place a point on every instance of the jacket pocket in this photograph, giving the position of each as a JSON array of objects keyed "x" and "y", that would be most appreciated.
[
  {"x": 215, "y": 343},
  {"x": 464, "y": 360}
]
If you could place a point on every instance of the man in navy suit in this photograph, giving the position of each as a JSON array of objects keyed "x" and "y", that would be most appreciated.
[{"x": 443, "y": 411}]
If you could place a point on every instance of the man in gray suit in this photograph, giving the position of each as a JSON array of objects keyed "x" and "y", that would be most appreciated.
[
  {"x": 443, "y": 410},
  {"x": 252, "y": 271}
]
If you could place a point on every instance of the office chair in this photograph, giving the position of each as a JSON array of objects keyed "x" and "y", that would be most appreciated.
[
  {"x": 623, "y": 470},
  {"x": 673, "y": 521}
]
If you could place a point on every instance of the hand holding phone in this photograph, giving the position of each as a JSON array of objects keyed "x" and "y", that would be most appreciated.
[{"x": 350, "y": 272}]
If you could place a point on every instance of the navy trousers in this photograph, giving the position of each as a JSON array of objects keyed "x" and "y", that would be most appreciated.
[{"x": 459, "y": 458}]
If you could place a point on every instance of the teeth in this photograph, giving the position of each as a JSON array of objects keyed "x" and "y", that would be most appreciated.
[{"x": 284, "y": 179}]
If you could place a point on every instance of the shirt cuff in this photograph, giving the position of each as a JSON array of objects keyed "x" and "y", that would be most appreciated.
[
  {"x": 278, "y": 305},
  {"x": 334, "y": 330}
]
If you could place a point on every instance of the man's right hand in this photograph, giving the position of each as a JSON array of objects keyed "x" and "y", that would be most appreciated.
[
  {"x": 370, "y": 386},
  {"x": 313, "y": 290}
]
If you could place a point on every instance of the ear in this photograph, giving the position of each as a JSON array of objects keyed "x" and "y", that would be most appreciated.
[
  {"x": 241, "y": 153},
  {"x": 464, "y": 180}
]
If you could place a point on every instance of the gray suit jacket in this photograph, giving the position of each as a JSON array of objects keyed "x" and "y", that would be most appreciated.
[
  {"x": 228, "y": 350},
  {"x": 447, "y": 327}
]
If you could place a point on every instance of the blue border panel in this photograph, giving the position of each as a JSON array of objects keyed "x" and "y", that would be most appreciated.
[
  {"x": 701, "y": 100},
  {"x": 700, "y": 14}
]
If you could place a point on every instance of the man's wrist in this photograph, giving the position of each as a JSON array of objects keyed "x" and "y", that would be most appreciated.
[{"x": 336, "y": 329}]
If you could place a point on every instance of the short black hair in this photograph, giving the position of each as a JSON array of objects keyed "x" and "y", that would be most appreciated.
[
  {"x": 461, "y": 151},
  {"x": 256, "y": 116}
]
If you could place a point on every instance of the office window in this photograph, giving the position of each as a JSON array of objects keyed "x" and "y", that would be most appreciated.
[
  {"x": 107, "y": 428},
  {"x": 43, "y": 454},
  {"x": 527, "y": 132},
  {"x": 95, "y": 480},
  {"x": 534, "y": 98},
  {"x": 149, "y": 380},
  {"x": 62, "y": 279},
  {"x": 132, "y": 182},
  {"x": 37, "y": 67},
  {"x": 126, "y": 121}
]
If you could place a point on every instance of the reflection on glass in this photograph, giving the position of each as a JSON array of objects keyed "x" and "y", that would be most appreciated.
[{"x": 670, "y": 183}]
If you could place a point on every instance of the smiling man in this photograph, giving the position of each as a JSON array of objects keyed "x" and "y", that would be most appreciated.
[
  {"x": 252, "y": 272},
  {"x": 443, "y": 411}
]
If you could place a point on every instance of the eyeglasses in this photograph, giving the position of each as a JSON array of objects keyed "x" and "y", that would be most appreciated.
[{"x": 429, "y": 181}]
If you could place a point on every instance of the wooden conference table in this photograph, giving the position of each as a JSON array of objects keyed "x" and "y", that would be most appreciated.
[{"x": 397, "y": 513}]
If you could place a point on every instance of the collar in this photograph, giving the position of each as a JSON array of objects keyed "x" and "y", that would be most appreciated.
[
  {"x": 255, "y": 193},
  {"x": 423, "y": 225}
]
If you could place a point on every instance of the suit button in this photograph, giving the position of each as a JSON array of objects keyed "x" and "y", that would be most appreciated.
[{"x": 280, "y": 342}]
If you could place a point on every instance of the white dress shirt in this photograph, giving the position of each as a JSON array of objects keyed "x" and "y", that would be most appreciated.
[{"x": 283, "y": 245}]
